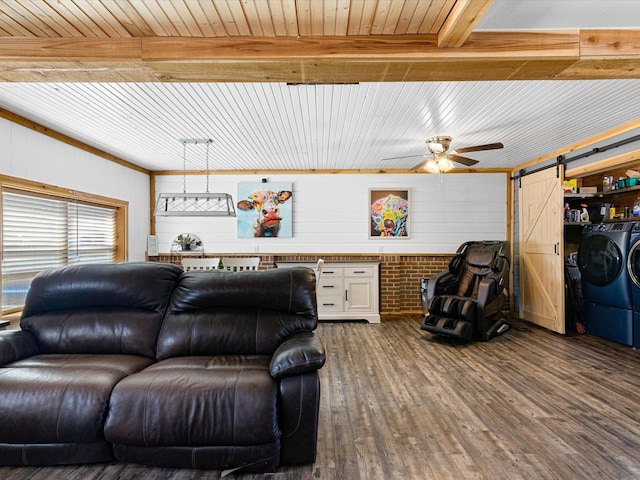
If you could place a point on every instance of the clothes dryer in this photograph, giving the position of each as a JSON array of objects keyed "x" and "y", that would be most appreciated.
[
  {"x": 633, "y": 270},
  {"x": 606, "y": 286}
]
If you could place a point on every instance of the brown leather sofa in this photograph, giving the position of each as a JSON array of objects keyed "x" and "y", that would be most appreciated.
[{"x": 141, "y": 362}]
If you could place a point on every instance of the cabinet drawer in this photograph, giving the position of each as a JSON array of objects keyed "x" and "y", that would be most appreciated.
[
  {"x": 331, "y": 271},
  {"x": 328, "y": 285},
  {"x": 331, "y": 304},
  {"x": 359, "y": 271}
]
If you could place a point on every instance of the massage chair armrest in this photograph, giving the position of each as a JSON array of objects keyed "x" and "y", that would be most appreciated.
[
  {"x": 302, "y": 352},
  {"x": 493, "y": 284},
  {"x": 16, "y": 345},
  {"x": 443, "y": 282}
]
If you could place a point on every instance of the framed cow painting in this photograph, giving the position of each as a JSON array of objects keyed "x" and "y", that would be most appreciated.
[
  {"x": 388, "y": 213},
  {"x": 264, "y": 210}
]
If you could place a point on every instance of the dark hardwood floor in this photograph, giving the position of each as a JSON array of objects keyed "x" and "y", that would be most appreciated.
[{"x": 398, "y": 403}]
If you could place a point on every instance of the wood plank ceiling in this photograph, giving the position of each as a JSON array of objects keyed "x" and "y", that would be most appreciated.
[
  {"x": 216, "y": 18},
  {"x": 296, "y": 84}
]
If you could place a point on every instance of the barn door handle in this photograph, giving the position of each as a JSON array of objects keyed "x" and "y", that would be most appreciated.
[{"x": 556, "y": 248}]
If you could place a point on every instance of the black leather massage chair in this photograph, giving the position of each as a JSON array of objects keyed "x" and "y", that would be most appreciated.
[{"x": 466, "y": 300}]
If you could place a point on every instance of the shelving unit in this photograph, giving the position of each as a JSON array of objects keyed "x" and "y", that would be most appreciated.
[{"x": 618, "y": 198}]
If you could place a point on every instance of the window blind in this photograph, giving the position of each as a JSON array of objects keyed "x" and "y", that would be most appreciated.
[
  {"x": 91, "y": 235},
  {"x": 41, "y": 233}
]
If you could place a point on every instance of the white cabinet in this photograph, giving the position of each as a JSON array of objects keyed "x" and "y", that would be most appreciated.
[{"x": 347, "y": 290}]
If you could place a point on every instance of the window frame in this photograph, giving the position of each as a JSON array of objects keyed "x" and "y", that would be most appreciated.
[{"x": 28, "y": 187}]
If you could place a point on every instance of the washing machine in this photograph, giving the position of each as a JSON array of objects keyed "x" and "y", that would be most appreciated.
[
  {"x": 606, "y": 286},
  {"x": 633, "y": 270}
]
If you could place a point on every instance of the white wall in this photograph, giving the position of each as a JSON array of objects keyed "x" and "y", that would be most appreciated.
[
  {"x": 330, "y": 213},
  {"x": 32, "y": 156}
]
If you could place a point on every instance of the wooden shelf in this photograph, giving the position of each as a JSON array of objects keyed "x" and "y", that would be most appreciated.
[
  {"x": 614, "y": 220},
  {"x": 610, "y": 193},
  {"x": 622, "y": 190},
  {"x": 617, "y": 220},
  {"x": 581, "y": 195}
]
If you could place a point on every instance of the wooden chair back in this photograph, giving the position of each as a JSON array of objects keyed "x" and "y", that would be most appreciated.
[
  {"x": 235, "y": 264},
  {"x": 200, "y": 263}
]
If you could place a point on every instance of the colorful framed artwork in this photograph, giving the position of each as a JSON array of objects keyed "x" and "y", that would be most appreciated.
[
  {"x": 264, "y": 210},
  {"x": 388, "y": 213}
]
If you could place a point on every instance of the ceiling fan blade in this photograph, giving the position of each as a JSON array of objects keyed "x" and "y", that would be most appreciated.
[
  {"x": 478, "y": 148},
  {"x": 402, "y": 158},
  {"x": 463, "y": 160},
  {"x": 419, "y": 165}
]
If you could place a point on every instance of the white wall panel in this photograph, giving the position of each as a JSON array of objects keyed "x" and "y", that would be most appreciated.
[
  {"x": 32, "y": 156},
  {"x": 330, "y": 213}
]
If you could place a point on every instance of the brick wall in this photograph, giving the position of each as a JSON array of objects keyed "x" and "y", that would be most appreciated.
[{"x": 399, "y": 274}]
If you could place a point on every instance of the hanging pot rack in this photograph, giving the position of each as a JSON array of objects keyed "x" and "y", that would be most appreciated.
[{"x": 204, "y": 204}]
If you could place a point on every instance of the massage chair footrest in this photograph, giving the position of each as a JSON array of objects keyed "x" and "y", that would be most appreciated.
[{"x": 448, "y": 326}]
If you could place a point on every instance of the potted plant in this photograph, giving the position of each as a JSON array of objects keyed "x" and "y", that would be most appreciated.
[{"x": 185, "y": 241}]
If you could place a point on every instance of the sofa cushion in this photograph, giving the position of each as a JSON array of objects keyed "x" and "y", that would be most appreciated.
[
  {"x": 99, "y": 308},
  {"x": 64, "y": 399},
  {"x": 196, "y": 401},
  {"x": 125, "y": 364},
  {"x": 249, "y": 312}
]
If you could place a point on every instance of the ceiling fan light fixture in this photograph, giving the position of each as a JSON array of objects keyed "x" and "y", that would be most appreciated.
[
  {"x": 431, "y": 166},
  {"x": 439, "y": 165},
  {"x": 438, "y": 144},
  {"x": 445, "y": 164}
]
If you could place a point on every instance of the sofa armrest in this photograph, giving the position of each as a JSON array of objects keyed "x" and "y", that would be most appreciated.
[
  {"x": 16, "y": 345},
  {"x": 300, "y": 353}
]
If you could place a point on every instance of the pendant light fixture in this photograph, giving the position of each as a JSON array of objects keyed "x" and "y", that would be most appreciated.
[{"x": 195, "y": 204}]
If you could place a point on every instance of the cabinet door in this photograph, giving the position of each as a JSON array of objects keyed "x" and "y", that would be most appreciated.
[
  {"x": 358, "y": 286},
  {"x": 541, "y": 250}
]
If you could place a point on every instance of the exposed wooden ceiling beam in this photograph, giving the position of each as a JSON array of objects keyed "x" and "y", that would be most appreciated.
[
  {"x": 463, "y": 18},
  {"x": 573, "y": 54}
]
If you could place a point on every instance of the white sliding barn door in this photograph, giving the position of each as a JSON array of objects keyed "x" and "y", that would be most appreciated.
[{"x": 541, "y": 249}]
